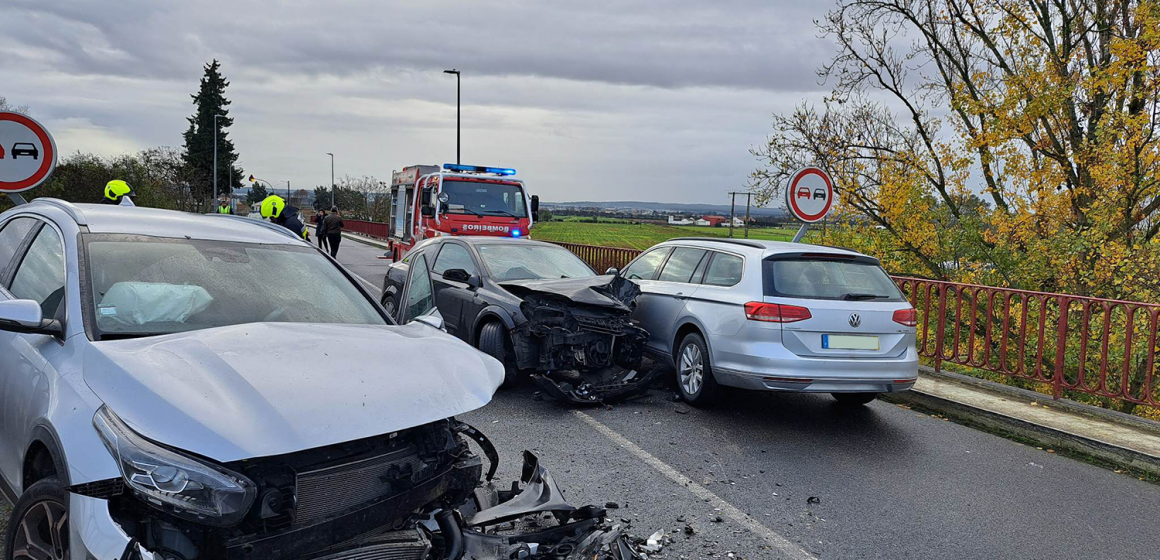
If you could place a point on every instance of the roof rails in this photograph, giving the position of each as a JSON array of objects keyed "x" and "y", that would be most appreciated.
[
  {"x": 68, "y": 207},
  {"x": 743, "y": 242}
]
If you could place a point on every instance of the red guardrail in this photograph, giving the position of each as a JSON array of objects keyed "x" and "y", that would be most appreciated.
[
  {"x": 1089, "y": 345},
  {"x": 1095, "y": 346}
]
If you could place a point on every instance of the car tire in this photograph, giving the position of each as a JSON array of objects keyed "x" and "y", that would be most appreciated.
[
  {"x": 44, "y": 509},
  {"x": 694, "y": 371},
  {"x": 493, "y": 341},
  {"x": 853, "y": 399},
  {"x": 388, "y": 303}
]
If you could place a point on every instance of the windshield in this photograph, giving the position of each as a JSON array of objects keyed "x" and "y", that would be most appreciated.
[
  {"x": 484, "y": 199},
  {"x": 144, "y": 286},
  {"x": 516, "y": 261},
  {"x": 828, "y": 278}
]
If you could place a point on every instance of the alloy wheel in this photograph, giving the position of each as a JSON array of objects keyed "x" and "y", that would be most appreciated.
[
  {"x": 692, "y": 369},
  {"x": 42, "y": 533}
]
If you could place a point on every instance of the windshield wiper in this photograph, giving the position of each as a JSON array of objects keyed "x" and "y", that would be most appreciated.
[
  {"x": 501, "y": 212},
  {"x": 127, "y": 335},
  {"x": 853, "y": 297},
  {"x": 468, "y": 210}
]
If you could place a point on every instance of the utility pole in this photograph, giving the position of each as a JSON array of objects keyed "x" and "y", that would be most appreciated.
[
  {"x": 456, "y": 72},
  {"x": 732, "y": 211},
  {"x": 331, "y": 178}
]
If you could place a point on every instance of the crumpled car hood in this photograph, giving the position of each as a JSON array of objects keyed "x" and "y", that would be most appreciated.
[
  {"x": 608, "y": 290},
  {"x": 265, "y": 389}
]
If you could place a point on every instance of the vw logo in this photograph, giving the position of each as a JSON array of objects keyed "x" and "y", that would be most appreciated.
[{"x": 855, "y": 320}]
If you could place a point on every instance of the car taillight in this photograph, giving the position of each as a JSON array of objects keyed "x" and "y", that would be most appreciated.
[
  {"x": 906, "y": 317},
  {"x": 775, "y": 313}
]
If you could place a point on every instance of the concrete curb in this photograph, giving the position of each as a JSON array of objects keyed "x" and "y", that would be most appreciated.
[{"x": 1045, "y": 436}]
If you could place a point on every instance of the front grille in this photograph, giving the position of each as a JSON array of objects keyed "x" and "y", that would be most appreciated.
[
  {"x": 603, "y": 325},
  {"x": 332, "y": 490}
]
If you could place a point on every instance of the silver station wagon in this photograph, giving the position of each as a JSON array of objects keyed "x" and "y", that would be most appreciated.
[{"x": 774, "y": 316}]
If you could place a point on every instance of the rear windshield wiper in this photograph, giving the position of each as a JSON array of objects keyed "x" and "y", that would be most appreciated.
[{"x": 853, "y": 297}]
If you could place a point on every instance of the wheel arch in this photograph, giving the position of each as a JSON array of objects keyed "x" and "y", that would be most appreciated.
[
  {"x": 490, "y": 313},
  {"x": 43, "y": 458},
  {"x": 687, "y": 326}
]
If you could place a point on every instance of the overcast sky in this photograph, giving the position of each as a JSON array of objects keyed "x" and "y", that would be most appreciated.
[{"x": 591, "y": 100}]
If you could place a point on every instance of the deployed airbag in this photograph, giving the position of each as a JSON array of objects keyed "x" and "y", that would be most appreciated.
[{"x": 140, "y": 303}]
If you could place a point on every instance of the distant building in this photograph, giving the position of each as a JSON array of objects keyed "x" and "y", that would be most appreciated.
[
  {"x": 674, "y": 221},
  {"x": 712, "y": 221}
]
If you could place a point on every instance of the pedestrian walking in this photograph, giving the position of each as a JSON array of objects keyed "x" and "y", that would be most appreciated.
[
  {"x": 320, "y": 227},
  {"x": 333, "y": 225}
]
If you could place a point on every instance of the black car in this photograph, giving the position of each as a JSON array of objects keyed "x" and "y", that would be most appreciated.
[{"x": 534, "y": 306}]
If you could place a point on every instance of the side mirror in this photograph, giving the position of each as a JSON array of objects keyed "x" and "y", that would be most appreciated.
[
  {"x": 25, "y": 316},
  {"x": 428, "y": 212},
  {"x": 462, "y": 276},
  {"x": 535, "y": 204},
  {"x": 612, "y": 270},
  {"x": 432, "y": 319}
]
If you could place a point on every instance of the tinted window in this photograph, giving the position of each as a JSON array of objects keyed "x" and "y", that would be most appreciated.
[
  {"x": 645, "y": 266},
  {"x": 142, "y": 286},
  {"x": 454, "y": 256},
  {"x": 822, "y": 278},
  {"x": 528, "y": 261},
  {"x": 724, "y": 270},
  {"x": 419, "y": 297},
  {"x": 40, "y": 276},
  {"x": 681, "y": 265},
  {"x": 10, "y": 237}
]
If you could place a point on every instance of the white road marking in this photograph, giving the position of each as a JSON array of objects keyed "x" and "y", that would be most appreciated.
[{"x": 778, "y": 542}]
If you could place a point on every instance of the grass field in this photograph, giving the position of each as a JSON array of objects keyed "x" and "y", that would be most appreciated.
[{"x": 640, "y": 236}]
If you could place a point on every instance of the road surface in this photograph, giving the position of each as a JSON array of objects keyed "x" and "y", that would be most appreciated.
[{"x": 796, "y": 476}]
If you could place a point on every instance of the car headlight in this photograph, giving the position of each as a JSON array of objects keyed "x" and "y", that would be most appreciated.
[{"x": 176, "y": 483}]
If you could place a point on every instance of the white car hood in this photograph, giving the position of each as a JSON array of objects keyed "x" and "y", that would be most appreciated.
[{"x": 263, "y": 389}]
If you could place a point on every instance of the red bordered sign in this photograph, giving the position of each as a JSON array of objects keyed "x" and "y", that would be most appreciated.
[
  {"x": 810, "y": 194},
  {"x": 27, "y": 153}
]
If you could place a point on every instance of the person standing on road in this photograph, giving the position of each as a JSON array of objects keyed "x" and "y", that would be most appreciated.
[
  {"x": 119, "y": 192},
  {"x": 276, "y": 210},
  {"x": 333, "y": 224},
  {"x": 224, "y": 207},
  {"x": 320, "y": 229}
]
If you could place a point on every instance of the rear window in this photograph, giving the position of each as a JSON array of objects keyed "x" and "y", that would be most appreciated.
[{"x": 828, "y": 278}]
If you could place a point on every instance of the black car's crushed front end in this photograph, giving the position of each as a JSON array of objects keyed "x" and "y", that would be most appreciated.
[{"x": 579, "y": 339}]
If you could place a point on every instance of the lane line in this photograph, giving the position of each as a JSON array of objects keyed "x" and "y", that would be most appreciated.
[{"x": 778, "y": 542}]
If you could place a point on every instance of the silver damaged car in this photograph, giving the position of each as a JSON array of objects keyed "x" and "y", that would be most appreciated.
[{"x": 175, "y": 386}]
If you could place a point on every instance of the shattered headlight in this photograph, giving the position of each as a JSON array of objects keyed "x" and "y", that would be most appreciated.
[{"x": 172, "y": 482}]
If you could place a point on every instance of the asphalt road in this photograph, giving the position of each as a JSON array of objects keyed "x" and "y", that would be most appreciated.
[{"x": 888, "y": 482}]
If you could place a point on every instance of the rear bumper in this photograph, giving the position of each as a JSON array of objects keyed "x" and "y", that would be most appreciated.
[{"x": 775, "y": 369}]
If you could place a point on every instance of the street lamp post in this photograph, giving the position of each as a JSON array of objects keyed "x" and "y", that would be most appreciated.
[
  {"x": 215, "y": 166},
  {"x": 331, "y": 178},
  {"x": 456, "y": 72}
]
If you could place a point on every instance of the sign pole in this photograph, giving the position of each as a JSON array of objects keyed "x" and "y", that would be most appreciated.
[
  {"x": 797, "y": 238},
  {"x": 17, "y": 199}
]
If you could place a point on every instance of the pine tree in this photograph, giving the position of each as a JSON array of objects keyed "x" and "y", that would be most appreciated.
[{"x": 210, "y": 100}]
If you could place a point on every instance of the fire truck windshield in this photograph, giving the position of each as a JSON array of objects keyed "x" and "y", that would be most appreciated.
[{"x": 484, "y": 199}]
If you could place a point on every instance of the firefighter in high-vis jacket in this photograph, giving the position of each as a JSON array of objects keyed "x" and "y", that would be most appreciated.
[
  {"x": 118, "y": 192},
  {"x": 276, "y": 210}
]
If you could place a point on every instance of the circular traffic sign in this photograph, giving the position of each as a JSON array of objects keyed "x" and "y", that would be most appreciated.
[
  {"x": 27, "y": 153},
  {"x": 810, "y": 194}
]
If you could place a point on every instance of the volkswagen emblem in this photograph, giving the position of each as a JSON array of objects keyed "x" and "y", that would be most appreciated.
[{"x": 855, "y": 320}]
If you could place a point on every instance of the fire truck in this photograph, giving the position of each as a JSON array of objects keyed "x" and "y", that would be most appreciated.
[{"x": 428, "y": 201}]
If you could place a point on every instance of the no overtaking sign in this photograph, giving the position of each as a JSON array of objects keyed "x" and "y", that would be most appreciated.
[
  {"x": 810, "y": 194},
  {"x": 27, "y": 153}
]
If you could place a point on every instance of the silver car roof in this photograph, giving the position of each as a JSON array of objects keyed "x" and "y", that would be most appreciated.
[{"x": 758, "y": 246}]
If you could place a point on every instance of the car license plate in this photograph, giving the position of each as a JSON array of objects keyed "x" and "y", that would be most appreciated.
[{"x": 849, "y": 342}]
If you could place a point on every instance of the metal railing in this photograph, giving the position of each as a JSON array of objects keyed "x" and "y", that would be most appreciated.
[{"x": 1101, "y": 347}]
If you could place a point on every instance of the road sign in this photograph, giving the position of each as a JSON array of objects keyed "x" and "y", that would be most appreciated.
[
  {"x": 27, "y": 153},
  {"x": 810, "y": 194}
]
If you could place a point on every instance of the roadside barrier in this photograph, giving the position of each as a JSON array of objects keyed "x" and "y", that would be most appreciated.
[{"x": 1100, "y": 347}]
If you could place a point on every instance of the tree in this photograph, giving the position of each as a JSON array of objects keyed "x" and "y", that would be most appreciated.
[
  {"x": 4, "y": 106},
  {"x": 257, "y": 194},
  {"x": 210, "y": 100},
  {"x": 1048, "y": 108},
  {"x": 322, "y": 198}
]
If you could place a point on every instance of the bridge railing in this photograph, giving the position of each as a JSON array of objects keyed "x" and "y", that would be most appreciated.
[{"x": 1101, "y": 347}]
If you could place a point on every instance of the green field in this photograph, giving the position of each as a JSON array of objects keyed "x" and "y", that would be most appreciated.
[{"x": 640, "y": 236}]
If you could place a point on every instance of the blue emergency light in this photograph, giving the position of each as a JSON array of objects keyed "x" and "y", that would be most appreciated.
[
  {"x": 478, "y": 169},
  {"x": 515, "y": 233}
]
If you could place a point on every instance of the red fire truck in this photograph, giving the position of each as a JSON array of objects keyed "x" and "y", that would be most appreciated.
[{"x": 427, "y": 201}]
